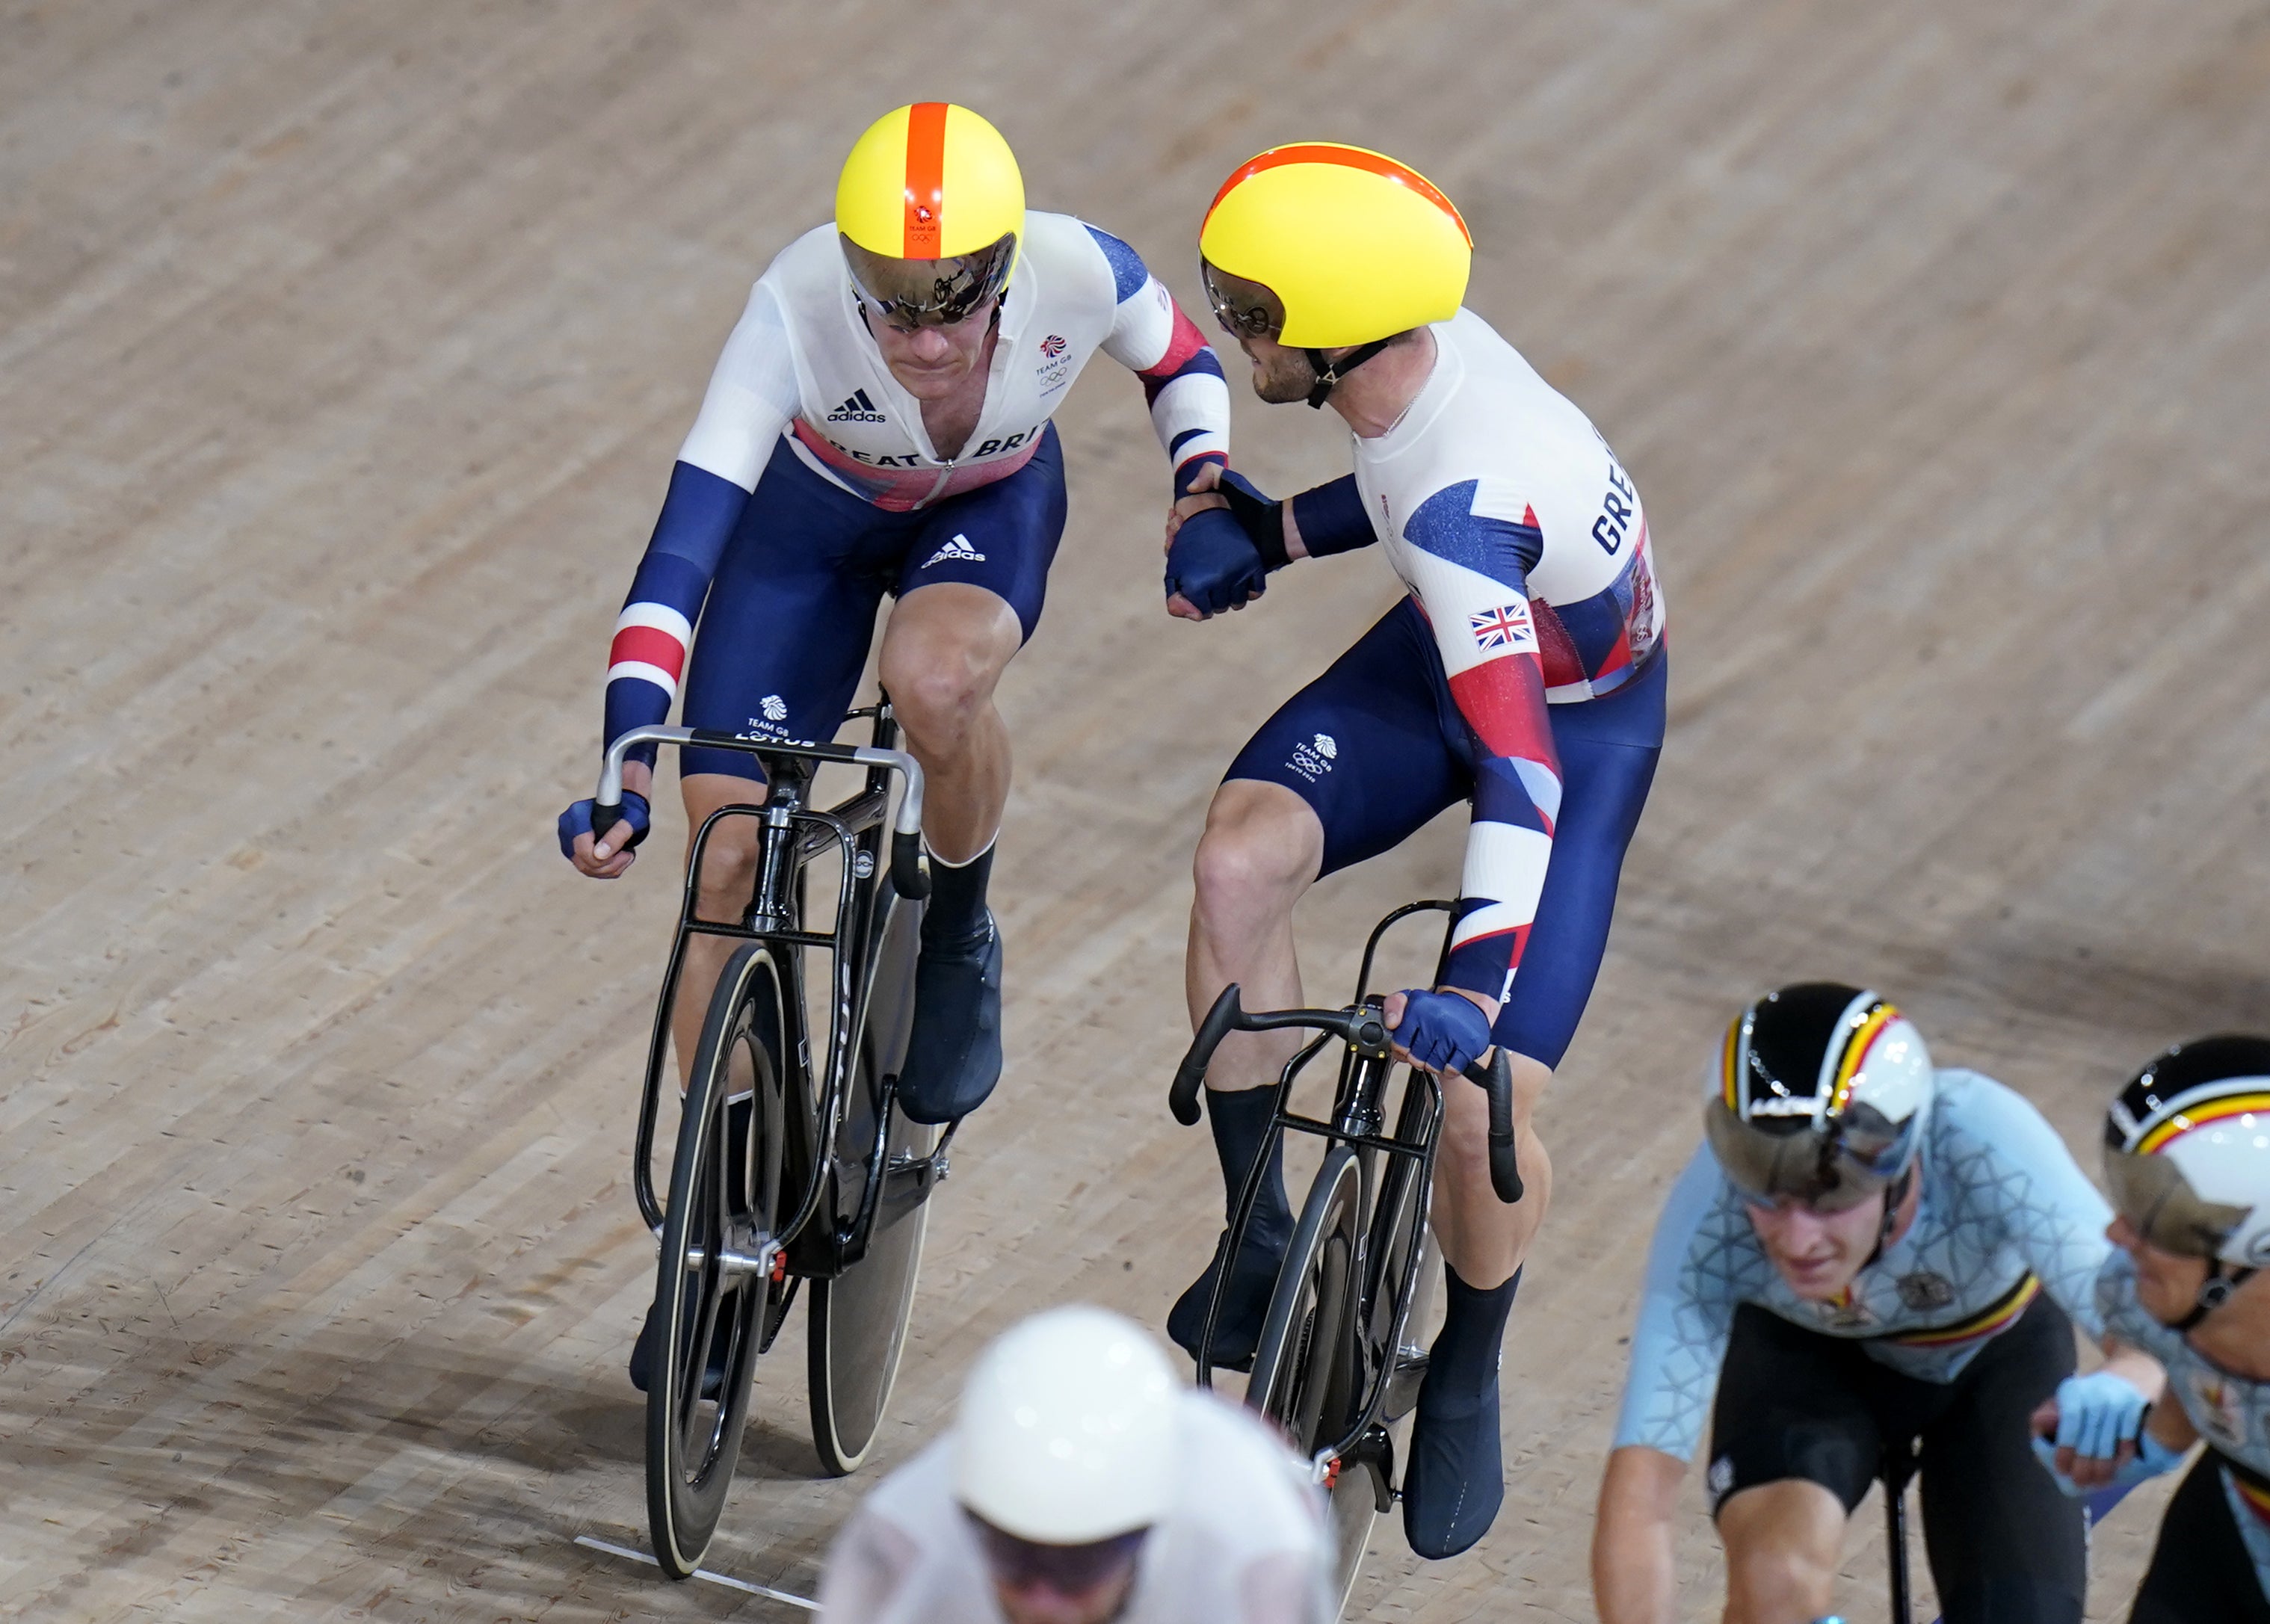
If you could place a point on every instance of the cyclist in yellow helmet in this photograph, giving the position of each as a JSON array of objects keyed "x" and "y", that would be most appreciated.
[
  {"x": 1523, "y": 670},
  {"x": 879, "y": 424}
]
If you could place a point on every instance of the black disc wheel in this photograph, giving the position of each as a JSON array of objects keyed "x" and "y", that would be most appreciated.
[
  {"x": 1308, "y": 1372},
  {"x": 716, "y": 1302},
  {"x": 858, "y": 1322}
]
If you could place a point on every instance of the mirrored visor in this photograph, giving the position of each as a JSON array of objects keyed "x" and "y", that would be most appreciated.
[
  {"x": 2160, "y": 1204},
  {"x": 1829, "y": 1171},
  {"x": 930, "y": 293},
  {"x": 1245, "y": 309}
]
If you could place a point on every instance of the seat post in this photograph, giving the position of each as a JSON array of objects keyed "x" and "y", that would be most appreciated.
[{"x": 1897, "y": 1465}]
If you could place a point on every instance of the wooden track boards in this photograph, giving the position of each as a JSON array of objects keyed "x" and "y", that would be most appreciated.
[{"x": 347, "y": 349}]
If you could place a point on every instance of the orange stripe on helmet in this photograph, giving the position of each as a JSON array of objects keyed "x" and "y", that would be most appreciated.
[
  {"x": 925, "y": 179},
  {"x": 1856, "y": 1053},
  {"x": 1346, "y": 158},
  {"x": 2213, "y": 1110}
]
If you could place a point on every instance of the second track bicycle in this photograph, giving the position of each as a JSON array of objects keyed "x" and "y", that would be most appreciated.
[
  {"x": 786, "y": 1172},
  {"x": 1337, "y": 1366}
]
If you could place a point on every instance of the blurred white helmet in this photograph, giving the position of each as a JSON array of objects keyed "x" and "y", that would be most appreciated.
[{"x": 1067, "y": 1429}]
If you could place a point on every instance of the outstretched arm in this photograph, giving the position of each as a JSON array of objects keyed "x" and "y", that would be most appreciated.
[
  {"x": 751, "y": 397},
  {"x": 1182, "y": 376}
]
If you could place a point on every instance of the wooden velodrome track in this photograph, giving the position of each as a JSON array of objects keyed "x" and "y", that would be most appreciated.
[{"x": 346, "y": 352}]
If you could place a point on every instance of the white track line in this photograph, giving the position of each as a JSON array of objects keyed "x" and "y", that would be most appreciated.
[{"x": 729, "y": 1582}]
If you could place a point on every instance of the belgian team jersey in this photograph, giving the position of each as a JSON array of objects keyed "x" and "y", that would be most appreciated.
[
  {"x": 2231, "y": 1412},
  {"x": 801, "y": 364},
  {"x": 2004, "y": 1213}
]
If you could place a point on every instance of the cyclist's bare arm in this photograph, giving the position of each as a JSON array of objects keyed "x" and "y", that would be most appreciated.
[
  {"x": 2171, "y": 1426},
  {"x": 1634, "y": 1579}
]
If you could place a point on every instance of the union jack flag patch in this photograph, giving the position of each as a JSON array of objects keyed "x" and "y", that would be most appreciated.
[{"x": 1500, "y": 628}]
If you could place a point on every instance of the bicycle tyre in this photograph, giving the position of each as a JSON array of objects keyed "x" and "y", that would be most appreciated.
[
  {"x": 725, "y": 1189},
  {"x": 1308, "y": 1375},
  {"x": 856, "y": 1329}
]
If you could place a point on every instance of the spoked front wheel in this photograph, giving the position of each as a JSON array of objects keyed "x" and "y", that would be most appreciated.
[
  {"x": 717, "y": 1301},
  {"x": 1307, "y": 1376},
  {"x": 858, "y": 1321}
]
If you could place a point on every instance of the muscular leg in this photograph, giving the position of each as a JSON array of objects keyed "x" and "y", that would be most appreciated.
[
  {"x": 943, "y": 654},
  {"x": 728, "y": 875},
  {"x": 1261, "y": 850},
  {"x": 944, "y": 651},
  {"x": 1783, "y": 1540},
  {"x": 1481, "y": 1237}
]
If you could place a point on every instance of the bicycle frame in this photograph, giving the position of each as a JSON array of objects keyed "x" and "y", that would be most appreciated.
[
  {"x": 1358, "y": 1117},
  {"x": 792, "y": 834}
]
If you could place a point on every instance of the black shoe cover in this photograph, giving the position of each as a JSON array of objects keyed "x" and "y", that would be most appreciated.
[
  {"x": 954, "y": 1055},
  {"x": 1456, "y": 1478},
  {"x": 1251, "y": 1281}
]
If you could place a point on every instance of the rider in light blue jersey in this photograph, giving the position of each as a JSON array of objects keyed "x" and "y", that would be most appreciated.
[
  {"x": 1868, "y": 1250},
  {"x": 2187, "y": 1158}
]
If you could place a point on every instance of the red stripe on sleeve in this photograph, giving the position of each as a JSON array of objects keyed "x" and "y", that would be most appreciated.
[
  {"x": 925, "y": 179},
  {"x": 649, "y": 646},
  {"x": 1504, "y": 701},
  {"x": 1182, "y": 343}
]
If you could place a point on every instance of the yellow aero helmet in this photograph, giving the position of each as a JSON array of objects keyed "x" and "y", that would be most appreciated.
[
  {"x": 932, "y": 180},
  {"x": 1356, "y": 247}
]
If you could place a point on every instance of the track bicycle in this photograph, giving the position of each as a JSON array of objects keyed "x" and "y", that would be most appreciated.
[
  {"x": 785, "y": 1173},
  {"x": 1337, "y": 1364}
]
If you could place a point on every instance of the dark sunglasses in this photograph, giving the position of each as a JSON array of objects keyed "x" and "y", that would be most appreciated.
[{"x": 1067, "y": 1569}]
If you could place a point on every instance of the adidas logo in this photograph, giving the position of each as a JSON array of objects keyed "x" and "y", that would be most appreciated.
[
  {"x": 858, "y": 409},
  {"x": 957, "y": 552}
]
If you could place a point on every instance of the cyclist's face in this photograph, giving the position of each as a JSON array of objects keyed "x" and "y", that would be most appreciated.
[
  {"x": 1036, "y": 1600},
  {"x": 1817, "y": 1253},
  {"x": 2167, "y": 1283},
  {"x": 929, "y": 362}
]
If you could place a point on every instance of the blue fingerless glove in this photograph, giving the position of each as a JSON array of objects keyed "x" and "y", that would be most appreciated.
[
  {"x": 577, "y": 820},
  {"x": 1444, "y": 1031},
  {"x": 2151, "y": 1459},
  {"x": 1213, "y": 563},
  {"x": 2097, "y": 1414}
]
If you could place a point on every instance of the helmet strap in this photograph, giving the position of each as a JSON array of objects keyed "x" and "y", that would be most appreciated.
[
  {"x": 1331, "y": 373},
  {"x": 2217, "y": 1289},
  {"x": 1895, "y": 1195}
]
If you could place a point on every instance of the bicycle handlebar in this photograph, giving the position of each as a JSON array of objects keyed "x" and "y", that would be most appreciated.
[
  {"x": 907, "y": 875},
  {"x": 1362, "y": 1028}
]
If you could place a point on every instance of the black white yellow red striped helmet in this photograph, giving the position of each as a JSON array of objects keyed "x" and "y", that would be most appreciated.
[
  {"x": 930, "y": 208},
  {"x": 2187, "y": 1151},
  {"x": 1349, "y": 246},
  {"x": 1820, "y": 1095}
]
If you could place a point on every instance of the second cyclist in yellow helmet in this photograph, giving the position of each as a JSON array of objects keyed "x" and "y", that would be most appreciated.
[
  {"x": 878, "y": 425},
  {"x": 1522, "y": 671}
]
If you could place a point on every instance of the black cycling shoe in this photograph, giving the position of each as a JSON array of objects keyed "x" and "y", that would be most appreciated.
[
  {"x": 1251, "y": 1281},
  {"x": 954, "y": 1054},
  {"x": 1455, "y": 1478},
  {"x": 713, "y": 1377}
]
